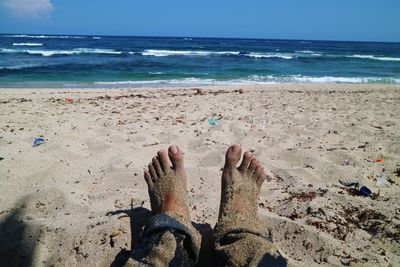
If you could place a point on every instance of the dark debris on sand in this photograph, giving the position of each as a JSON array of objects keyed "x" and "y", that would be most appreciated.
[
  {"x": 198, "y": 91},
  {"x": 339, "y": 220},
  {"x": 16, "y": 100},
  {"x": 93, "y": 100},
  {"x": 306, "y": 196},
  {"x": 372, "y": 221}
]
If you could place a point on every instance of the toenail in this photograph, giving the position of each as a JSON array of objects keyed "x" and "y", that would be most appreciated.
[
  {"x": 174, "y": 149},
  {"x": 235, "y": 148}
]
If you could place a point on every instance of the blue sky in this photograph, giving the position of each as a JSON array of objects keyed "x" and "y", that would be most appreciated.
[{"x": 360, "y": 20}]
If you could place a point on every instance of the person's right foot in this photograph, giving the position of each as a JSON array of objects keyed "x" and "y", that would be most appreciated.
[
  {"x": 167, "y": 185},
  {"x": 240, "y": 185}
]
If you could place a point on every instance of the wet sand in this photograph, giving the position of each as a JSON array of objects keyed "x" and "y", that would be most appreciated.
[{"x": 61, "y": 202}]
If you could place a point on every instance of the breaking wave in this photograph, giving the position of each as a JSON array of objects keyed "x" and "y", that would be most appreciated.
[
  {"x": 48, "y": 53},
  {"x": 193, "y": 53},
  {"x": 19, "y": 67},
  {"x": 375, "y": 57},
  {"x": 322, "y": 79},
  {"x": 44, "y": 36},
  {"x": 254, "y": 79},
  {"x": 270, "y": 55},
  {"x": 27, "y": 44},
  {"x": 166, "y": 53}
]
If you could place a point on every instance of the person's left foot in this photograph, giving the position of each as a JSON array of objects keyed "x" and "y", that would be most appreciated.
[
  {"x": 167, "y": 185},
  {"x": 241, "y": 185}
]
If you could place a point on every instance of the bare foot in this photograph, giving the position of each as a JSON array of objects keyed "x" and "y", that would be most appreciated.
[
  {"x": 239, "y": 231},
  {"x": 240, "y": 185},
  {"x": 166, "y": 184}
]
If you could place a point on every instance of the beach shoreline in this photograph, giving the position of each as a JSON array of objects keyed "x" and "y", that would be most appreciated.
[
  {"x": 61, "y": 201},
  {"x": 249, "y": 86}
]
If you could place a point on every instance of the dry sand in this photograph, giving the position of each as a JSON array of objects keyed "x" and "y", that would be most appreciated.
[{"x": 60, "y": 202}]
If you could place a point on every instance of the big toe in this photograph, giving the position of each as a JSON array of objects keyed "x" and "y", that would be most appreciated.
[
  {"x": 176, "y": 156},
  {"x": 232, "y": 156}
]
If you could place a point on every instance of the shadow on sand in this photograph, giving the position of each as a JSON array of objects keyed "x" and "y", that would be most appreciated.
[
  {"x": 17, "y": 239},
  {"x": 138, "y": 218}
]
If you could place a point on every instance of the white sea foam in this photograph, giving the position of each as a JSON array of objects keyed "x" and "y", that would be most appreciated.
[
  {"x": 260, "y": 55},
  {"x": 96, "y": 37},
  {"x": 44, "y": 36},
  {"x": 297, "y": 54},
  {"x": 6, "y": 50},
  {"x": 309, "y": 53},
  {"x": 27, "y": 44},
  {"x": 375, "y": 57},
  {"x": 48, "y": 53},
  {"x": 183, "y": 81},
  {"x": 305, "y": 51},
  {"x": 166, "y": 53},
  {"x": 96, "y": 51},
  {"x": 323, "y": 79},
  {"x": 254, "y": 79},
  {"x": 19, "y": 67},
  {"x": 270, "y": 55},
  {"x": 156, "y": 73}
]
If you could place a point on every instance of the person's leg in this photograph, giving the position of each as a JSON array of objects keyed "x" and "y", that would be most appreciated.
[
  {"x": 241, "y": 238},
  {"x": 169, "y": 238}
]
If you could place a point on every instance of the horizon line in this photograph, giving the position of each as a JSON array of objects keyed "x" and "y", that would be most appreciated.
[{"x": 201, "y": 37}]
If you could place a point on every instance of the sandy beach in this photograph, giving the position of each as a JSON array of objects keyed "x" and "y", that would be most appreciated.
[{"x": 80, "y": 199}]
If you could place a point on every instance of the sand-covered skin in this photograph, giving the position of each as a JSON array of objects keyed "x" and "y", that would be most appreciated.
[
  {"x": 167, "y": 184},
  {"x": 241, "y": 237},
  {"x": 61, "y": 201},
  {"x": 240, "y": 191}
]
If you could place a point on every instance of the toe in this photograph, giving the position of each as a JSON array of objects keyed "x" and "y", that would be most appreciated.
[
  {"x": 258, "y": 172},
  {"x": 248, "y": 156},
  {"x": 262, "y": 177},
  {"x": 176, "y": 157},
  {"x": 253, "y": 165},
  {"x": 157, "y": 167},
  {"x": 232, "y": 156},
  {"x": 148, "y": 180},
  {"x": 163, "y": 159},
  {"x": 153, "y": 173}
]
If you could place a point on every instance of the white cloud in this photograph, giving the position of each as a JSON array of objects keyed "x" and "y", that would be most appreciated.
[{"x": 28, "y": 8}]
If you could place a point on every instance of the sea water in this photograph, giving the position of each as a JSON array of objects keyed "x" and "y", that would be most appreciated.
[{"x": 121, "y": 61}]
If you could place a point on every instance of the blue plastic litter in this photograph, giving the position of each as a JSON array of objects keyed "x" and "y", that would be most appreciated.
[
  {"x": 38, "y": 141},
  {"x": 364, "y": 191},
  {"x": 213, "y": 121}
]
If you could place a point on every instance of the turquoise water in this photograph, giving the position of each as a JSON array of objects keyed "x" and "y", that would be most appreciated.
[{"x": 115, "y": 61}]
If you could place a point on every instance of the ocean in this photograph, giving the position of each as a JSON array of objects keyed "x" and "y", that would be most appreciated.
[{"x": 121, "y": 61}]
